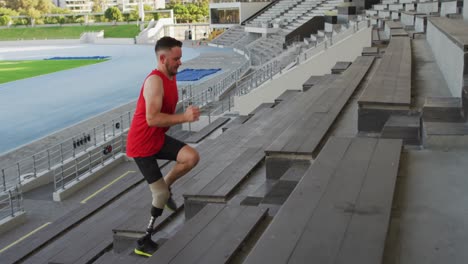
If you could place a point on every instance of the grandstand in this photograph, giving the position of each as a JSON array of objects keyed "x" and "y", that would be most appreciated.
[{"x": 346, "y": 144}]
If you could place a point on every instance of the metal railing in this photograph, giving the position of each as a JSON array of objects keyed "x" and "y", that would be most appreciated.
[
  {"x": 291, "y": 56},
  {"x": 59, "y": 154},
  {"x": 330, "y": 40},
  {"x": 11, "y": 203},
  {"x": 86, "y": 162},
  {"x": 203, "y": 94}
]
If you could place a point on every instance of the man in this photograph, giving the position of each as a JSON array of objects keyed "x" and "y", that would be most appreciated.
[{"x": 147, "y": 141}]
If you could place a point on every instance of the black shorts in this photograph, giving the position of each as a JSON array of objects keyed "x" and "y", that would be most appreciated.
[{"x": 149, "y": 166}]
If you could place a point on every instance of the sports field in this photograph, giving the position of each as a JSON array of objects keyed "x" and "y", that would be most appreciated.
[
  {"x": 16, "y": 70},
  {"x": 118, "y": 31}
]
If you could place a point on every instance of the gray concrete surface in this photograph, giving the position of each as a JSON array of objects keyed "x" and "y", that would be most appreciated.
[{"x": 430, "y": 214}]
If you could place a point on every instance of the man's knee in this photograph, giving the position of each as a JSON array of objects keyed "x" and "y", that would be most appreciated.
[
  {"x": 194, "y": 159},
  {"x": 189, "y": 157}
]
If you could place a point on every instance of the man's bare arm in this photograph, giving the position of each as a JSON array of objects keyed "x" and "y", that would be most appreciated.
[{"x": 153, "y": 93}]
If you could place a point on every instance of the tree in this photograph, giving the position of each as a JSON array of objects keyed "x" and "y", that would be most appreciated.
[
  {"x": 58, "y": 10},
  {"x": 147, "y": 7},
  {"x": 44, "y": 6},
  {"x": 134, "y": 15},
  {"x": 98, "y": 5},
  {"x": 196, "y": 11},
  {"x": 113, "y": 14},
  {"x": 33, "y": 14},
  {"x": 8, "y": 12},
  {"x": 4, "y": 20},
  {"x": 21, "y": 4}
]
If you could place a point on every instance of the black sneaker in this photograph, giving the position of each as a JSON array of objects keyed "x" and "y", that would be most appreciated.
[
  {"x": 170, "y": 204},
  {"x": 145, "y": 246}
]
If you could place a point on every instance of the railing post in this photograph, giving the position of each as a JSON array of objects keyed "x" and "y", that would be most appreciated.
[
  {"x": 11, "y": 203},
  {"x": 19, "y": 173},
  {"x": 48, "y": 159},
  {"x": 61, "y": 153},
  {"x": 20, "y": 198},
  {"x": 113, "y": 128},
  {"x": 95, "y": 140},
  {"x": 63, "y": 180},
  {"x": 89, "y": 162},
  {"x": 104, "y": 125},
  {"x": 209, "y": 113},
  {"x": 76, "y": 170},
  {"x": 129, "y": 118},
  {"x": 34, "y": 165},
  {"x": 123, "y": 143},
  {"x": 4, "y": 180},
  {"x": 121, "y": 124},
  {"x": 74, "y": 149}
]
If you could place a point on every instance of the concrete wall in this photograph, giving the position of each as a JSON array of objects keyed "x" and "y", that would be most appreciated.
[
  {"x": 40, "y": 42},
  {"x": 153, "y": 31},
  {"x": 407, "y": 20},
  {"x": 465, "y": 10},
  {"x": 248, "y": 9},
  {"x": 115, "y": 41},
  {"x": 449, "y": 57},
  {"x": 320, "y": 64},
  {"x": 448, "y": 8}
]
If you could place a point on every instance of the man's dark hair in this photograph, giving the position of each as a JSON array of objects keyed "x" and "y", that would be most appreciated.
[{"x": 167, "y": 43}]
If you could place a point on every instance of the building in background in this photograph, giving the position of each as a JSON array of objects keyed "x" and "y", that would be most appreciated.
[
  {"x": 226, "y": 13},
  {"x": 86, "y": 6}
]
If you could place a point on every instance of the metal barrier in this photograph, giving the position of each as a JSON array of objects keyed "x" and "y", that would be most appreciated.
[
  {"x": 46, "y": 160},
  {"x": 87, "y": 162},
  {"x": 202, "y": 94},
  {"x": 270, "y": 69},
  {"x": 11, "y": 203}
]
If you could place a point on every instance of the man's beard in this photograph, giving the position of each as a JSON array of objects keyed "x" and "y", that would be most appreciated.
[{"x": 171, "y": 72}]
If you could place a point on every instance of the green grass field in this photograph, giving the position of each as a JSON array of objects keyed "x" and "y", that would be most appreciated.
[
  {"x": 16, "y": 70},
  {"x": 119, "y": 31}
]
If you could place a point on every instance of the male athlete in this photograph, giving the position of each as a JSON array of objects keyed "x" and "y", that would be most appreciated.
[{"x": 147, "y": 141}]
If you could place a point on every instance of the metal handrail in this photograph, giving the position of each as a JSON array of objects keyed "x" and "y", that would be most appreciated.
[
  {"x": 44, "y": 161},
  {"x": 11, "y": 203},
  {"x": 89, "y": 161}
]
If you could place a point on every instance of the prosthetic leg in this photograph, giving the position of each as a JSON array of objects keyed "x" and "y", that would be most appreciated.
[{"x": 145, "y": 245}]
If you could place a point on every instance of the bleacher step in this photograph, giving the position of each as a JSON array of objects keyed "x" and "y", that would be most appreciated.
[
  {"x": 262, "y": 106},
  {"x": 277, "y": 191},
  {"x": 257, "y": 196},
  {"x": 113, "y": 258},
  {"x": 313, "y": 80},
  {"x": 236, "y": 122},
  {"x": 370, "y": 51},
  {"x": 443, "y": 109},
  {"x": 207, "y": 130},
  {"x": 286, "y": 95},
  {"x": 218, "y": 188},
  {"x": 214, "y": 235},
  {"x": 340, "y": 67},
  {"x": 407, "y": 128},
  {"x": 446, "y": 135}
]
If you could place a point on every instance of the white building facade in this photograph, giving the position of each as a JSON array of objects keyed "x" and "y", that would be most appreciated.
[{"x": 86, "y": 6}]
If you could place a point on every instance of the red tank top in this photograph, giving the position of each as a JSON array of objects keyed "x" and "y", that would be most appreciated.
[{"x": 143, "y": 140}]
